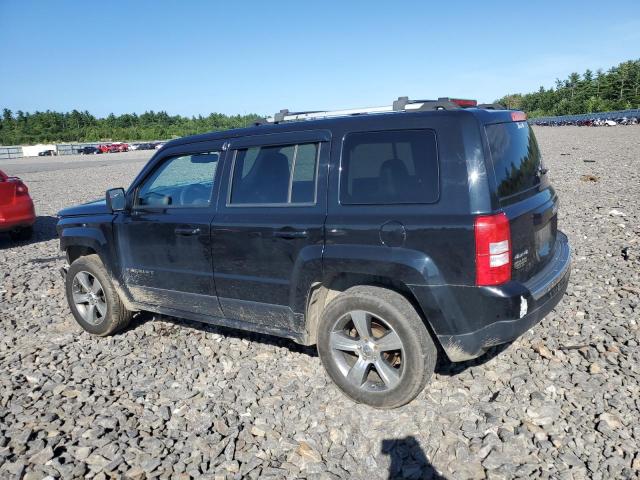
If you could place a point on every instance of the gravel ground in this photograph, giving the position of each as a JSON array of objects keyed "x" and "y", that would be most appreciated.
[{"x": 169, "y": 398}]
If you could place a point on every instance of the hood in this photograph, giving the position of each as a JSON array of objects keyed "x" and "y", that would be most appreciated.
[{"x": 94, "y": 207}]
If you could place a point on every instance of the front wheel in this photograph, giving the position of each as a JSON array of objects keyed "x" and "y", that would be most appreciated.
[
  {"x": 376, "y": 347},
  {"x": 92, "y": 298}
]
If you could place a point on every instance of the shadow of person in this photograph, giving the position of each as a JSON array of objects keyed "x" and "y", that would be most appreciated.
[{"x": 408, "y": 460}]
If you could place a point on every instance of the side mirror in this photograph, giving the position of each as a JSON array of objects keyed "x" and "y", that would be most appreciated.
[{"x": 116, "y": 199}]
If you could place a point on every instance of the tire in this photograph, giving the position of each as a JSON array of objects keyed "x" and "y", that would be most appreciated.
[
  {"x": 111, "y": 315},
  {"x": 412, "y": 364},
  {"x": 22, "y": 234}
]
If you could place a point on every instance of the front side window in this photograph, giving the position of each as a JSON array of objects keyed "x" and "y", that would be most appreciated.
[
  {"x": 184, "y": 181},
  {"x": 389, "y": 167},
  {"x": 280, "y": 175}
]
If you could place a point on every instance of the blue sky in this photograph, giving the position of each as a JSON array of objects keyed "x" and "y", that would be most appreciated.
[{"x": 195, "y": 57}]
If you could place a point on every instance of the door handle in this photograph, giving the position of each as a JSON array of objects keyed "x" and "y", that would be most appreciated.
[
  {"x": 290, "y": 234},
  {"x": 187, "y": 231}
]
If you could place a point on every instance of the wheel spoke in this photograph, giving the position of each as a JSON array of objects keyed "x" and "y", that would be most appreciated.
[
  {"x": 341, "y": 341},
  {"x": 91, "y": 314},
  {"x": 102, "y": 307},
  {"x": 84, "y": 281},
  {"x": 96, "y": 287},
  {"x": 80, "y": 298},
  {"x": 362, "y": 322},
  {"x": 391, "y": 341},
  {"x": 389, "y": 375},
  {"x": 358, "y": 372}
]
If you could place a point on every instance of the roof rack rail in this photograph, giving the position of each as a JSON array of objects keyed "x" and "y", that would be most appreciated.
[{"x": 400, "y": 105}]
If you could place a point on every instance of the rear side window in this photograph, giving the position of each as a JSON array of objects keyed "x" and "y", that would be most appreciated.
[
  {"x": 280, "y": 175},
  {"x": 389, "y": 167},
  {"x": 515, "y": 155}
]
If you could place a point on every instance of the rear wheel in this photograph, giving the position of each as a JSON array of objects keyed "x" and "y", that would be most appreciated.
[
  {"x": 92, "y": 298},
  {"x": 375, "y": 346}
]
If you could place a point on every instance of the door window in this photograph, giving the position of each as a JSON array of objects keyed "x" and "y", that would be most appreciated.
[
  {"x": 275, "y": 175},
  {"x": 389, "y": 167},
  {"x": 183, "y": 181}
]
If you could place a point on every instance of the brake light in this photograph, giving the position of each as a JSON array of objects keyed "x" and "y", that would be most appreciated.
[
  {"x": 464, "y": 103},
  {"x": 493, "y": 249},
  {"x": 21, "y": 188},
  {"x": 518, "y": 116}
]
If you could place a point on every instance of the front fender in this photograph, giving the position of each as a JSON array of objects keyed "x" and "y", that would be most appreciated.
[{"x": 94, "y": 233}]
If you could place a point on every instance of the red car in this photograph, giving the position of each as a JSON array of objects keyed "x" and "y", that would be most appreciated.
[
  {"x": 17, "y": 214},
  {"x": 114, "y": 147},
  {"x": 120, "y": 147}
]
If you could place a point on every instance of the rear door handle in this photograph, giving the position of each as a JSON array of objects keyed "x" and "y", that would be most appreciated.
[
  {"x": 187, "y": 231},
  {"x": 290, "y": 234}
]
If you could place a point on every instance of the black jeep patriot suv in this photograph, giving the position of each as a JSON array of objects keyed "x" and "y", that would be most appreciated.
[{"x": 378, "y": 234}]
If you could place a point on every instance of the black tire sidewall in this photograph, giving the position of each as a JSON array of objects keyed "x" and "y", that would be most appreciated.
[
  {"x": 419, "y": 350},
  {"x": 109, "y": 322}
]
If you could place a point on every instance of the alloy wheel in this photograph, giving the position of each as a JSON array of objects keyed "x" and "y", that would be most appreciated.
[
  {"x": 89, "y": 297},
  {"x": 367, "y": 351}
]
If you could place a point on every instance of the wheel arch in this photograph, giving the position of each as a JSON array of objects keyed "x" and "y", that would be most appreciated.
[
  {"x": 321, "y": 294},
  {"x": 77, "y": 240}
]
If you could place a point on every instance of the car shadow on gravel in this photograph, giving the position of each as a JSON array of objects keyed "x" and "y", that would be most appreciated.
[
  {"x": 444, "y": 366},
  {"x": 408, "y": 460},
  {"x": 144, "y": 317},
  {"x": 43, "y": 231}
]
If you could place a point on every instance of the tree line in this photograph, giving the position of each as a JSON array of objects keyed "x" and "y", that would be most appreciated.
[
  {"x": 56, "y": 127},
  {"x": 616, "y": 89}
]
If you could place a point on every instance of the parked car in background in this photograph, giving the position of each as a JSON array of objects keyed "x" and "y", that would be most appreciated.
[
  {"x": 113, "y": 147},
  {"x": 17, "y": 214},
  {"x": 47, "y": 153},
  {"x": 134, "y": 146},
  {"x": 146, "y": 146},
  {"x": 118, "y": 147},
  {"x": 383, "y": 238},
  {"x": 89, "y": 151},
  {"x": 158, "y": 146}
]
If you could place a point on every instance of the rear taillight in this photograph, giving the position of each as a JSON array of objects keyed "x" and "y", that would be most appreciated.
[
  {"x": 493, "y": 249},
  {"x": 21, "y": 188}
]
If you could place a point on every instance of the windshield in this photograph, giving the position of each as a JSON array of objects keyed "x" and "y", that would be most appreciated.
[{"x": 516, "y": 157}]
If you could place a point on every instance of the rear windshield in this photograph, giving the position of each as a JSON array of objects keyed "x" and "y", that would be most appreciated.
[{"x": 516, "y": 157}]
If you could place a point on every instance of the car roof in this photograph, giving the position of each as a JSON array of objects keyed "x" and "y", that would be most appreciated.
[{"x": 485, "y": 116}]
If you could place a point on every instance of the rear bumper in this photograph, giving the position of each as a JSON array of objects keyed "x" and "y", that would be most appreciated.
[
  {"x": 517, "y": 306},
  {"x": 16, "y": 215}
]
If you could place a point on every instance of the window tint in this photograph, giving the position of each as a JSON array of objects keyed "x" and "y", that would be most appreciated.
[
  {"x": 304, "y": 174},
  {"x": 389, "y": 167},
  {"x": 279, "y": 174},
  {"x": 516, "y": 157},
  {"x": 185, "y": 181}
]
